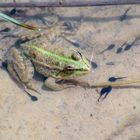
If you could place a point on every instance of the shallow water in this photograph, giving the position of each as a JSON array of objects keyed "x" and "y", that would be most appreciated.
[{"x": 75, "y": 114}]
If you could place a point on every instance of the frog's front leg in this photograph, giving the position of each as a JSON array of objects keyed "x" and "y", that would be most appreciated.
[
  {"x": 52, "y": 84},
  {"x": 20, "y": 68}
]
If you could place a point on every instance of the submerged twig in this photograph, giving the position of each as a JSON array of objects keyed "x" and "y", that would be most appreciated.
[{"x": 69, "y": 4}]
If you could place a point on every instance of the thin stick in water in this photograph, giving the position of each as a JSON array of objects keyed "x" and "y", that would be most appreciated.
[{"x": 69, "y": 4}]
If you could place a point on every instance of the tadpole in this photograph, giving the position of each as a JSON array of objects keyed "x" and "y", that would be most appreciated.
[
  {"x": 110, "y": 47},
  {"x": 104, "y": 92},
  {"x": 120, "y": 49},
  {"x": 5, "y": 30},
  {"x": 33, "y": 98},
  {"x": 13, "y": 11},
  {"x": 123, "y": 17},
  {"x": 114, "y": 79},
  {"x": 129, "y": 46},
  {"x": 94, "y": 65}
]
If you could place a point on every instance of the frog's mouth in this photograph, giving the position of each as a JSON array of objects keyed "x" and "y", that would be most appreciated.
[
  {"x": 79, "y": 72},
  {"x": 70, "y": 73}
]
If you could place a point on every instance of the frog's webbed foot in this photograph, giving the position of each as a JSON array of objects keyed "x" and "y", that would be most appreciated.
[{"x": 52, "y": 84}]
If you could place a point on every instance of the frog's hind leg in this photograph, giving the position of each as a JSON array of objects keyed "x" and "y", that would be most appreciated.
[
  {"x": 20, "y": 68},
  {"x": 52, "y": 84}
]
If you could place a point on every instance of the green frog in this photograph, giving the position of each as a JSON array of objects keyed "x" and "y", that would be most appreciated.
[
  {"x": 58, "y": 60},
  {"x": 45, "y": 51}
]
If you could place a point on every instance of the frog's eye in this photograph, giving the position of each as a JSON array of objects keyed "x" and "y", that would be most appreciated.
[
  {"x": 76, "y": 56},
  {"x": 68, "y": 69}
]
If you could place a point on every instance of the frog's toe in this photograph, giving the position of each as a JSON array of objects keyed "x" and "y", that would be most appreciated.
[
  {"x": 54, "y": 85},
  {"x": 31, "y": 87},
  {"x": 12, "y": 72}
]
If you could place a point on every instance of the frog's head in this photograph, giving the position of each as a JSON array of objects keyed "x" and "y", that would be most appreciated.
[{"x": 77, "y": 65}]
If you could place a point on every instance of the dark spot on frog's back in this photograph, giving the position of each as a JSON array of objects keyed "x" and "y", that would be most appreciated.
[
  {"x": 57, "y": 63},
  {"x": 33, "y": 54}
]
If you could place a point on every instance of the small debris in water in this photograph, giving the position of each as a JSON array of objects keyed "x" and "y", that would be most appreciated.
[
  {"x": 91, "y": 115},
  {"x": 110, "y": 63}
]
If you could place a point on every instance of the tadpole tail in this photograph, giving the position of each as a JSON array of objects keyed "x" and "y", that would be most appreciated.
[
  {"x": 33, "y": 98},
  {"x": 116, "y": 84},
  {"x": 16, "y": 22}
]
